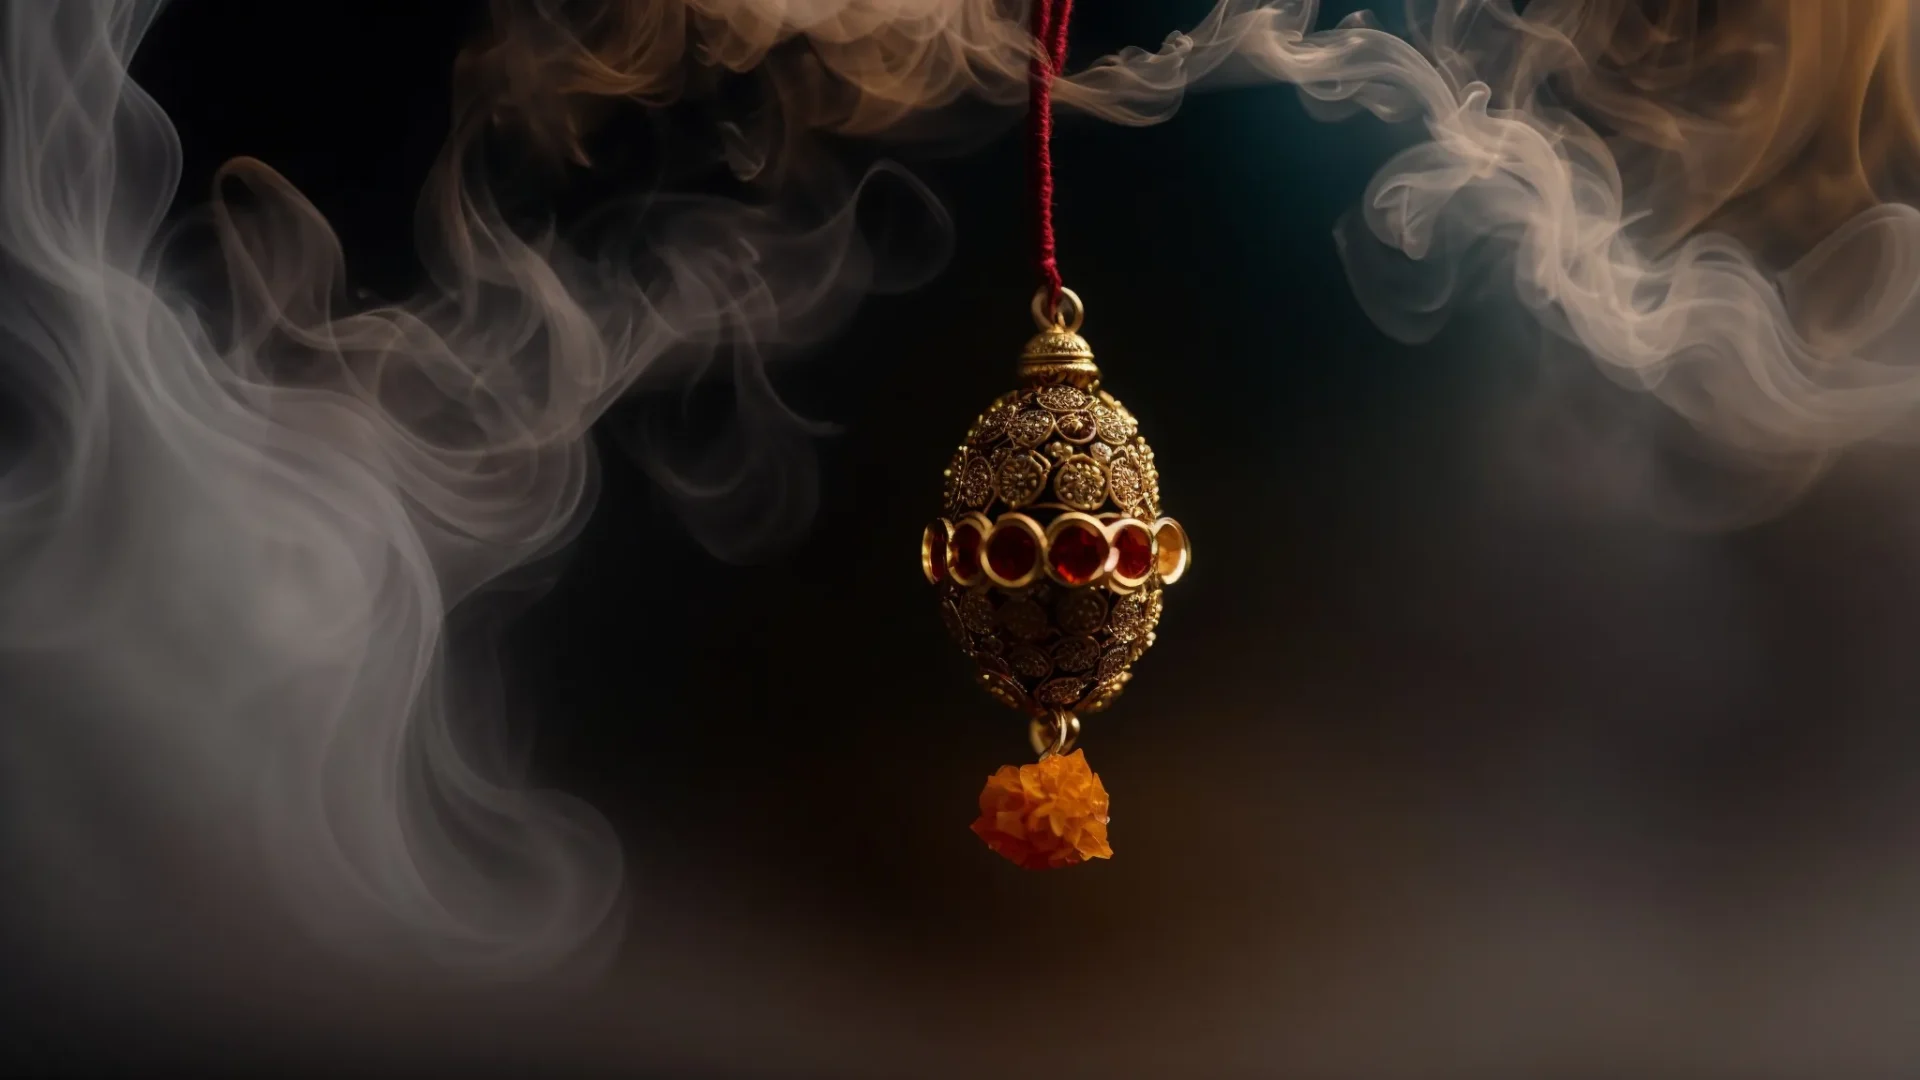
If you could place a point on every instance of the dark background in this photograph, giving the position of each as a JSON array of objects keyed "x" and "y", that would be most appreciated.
[{"x": 1439, "y": 768}]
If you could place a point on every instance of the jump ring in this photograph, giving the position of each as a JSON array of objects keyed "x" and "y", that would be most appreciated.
[
  {"x": 1054, "y": 735},
  {"x": 1067, "y": 317}
]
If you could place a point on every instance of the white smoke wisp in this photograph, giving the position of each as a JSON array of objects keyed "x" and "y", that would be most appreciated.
[
  {"x": 250, "y": 526},
  {"x": 1783, "y": 367},
  {"x": 1783, "y": 364}
]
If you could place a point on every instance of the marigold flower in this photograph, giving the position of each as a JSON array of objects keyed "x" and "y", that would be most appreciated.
[{"x": 1046, "y": 815}]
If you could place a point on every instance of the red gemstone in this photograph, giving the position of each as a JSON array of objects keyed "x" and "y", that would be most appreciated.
[
  {"x": 1135, "y": 547},
  {"x": 1077, "y": 554},
  {"x": 933, "y": 552},
  {"x": 966, "y": 552},
  {"x": 1010, "y": 552}
]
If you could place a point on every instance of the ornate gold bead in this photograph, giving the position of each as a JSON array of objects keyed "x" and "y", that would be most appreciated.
[{"x": 1052, "y": 549}]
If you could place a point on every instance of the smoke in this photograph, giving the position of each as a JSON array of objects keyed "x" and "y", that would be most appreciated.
[
  {"x": 1697, "y": 199},
  {"x": 864, "y": 68},
  {"x": 256, "y": 531},
  {"x": 1773, "y": 123},
  {"x": 259, "y": 535}
]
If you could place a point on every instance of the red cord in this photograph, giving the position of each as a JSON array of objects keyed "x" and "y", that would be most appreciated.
[{"x": 1050, "y": 30}]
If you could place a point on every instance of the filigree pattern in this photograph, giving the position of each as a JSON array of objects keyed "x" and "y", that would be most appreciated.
[
  {"x": 976, "y": 482},
  {"x": 1076, "y": 427},
  {"x": 1115, "y": 425},
  {"x": 1031, "y": 428},
  {"x": 992, "y": 425},
  {"x": 1062, "y": 398},
  {"x": 1124, "y": 482},
  {"x": 1029, "y": 662},
  {"x": 1038, "y": 452},
  {"x": 976, "y": 611},
  {"x": 1128, "y": 619},
  {"x": 1076, "y": 654},
  {"x": 1053, "y": 647},
  {"x": 1083, "y": 611},
  {"x": 951, "y": 494},
  {"x": 1061, "y": 692},
  {"x": 1081, "y": 483},
  {"x": 1021, "y": 478}
]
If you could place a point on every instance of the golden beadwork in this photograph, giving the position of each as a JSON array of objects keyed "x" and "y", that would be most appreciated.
[{"x": 1051, "y": 551}]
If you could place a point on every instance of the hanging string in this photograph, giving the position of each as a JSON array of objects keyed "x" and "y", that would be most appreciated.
[{"x": 1050, "y": 30}]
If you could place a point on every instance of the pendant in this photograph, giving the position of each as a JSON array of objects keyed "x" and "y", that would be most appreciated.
[{"x": 1049, "y": 563}]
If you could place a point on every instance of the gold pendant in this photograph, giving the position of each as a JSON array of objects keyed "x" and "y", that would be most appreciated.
[{"x": 1049, "y": 562}]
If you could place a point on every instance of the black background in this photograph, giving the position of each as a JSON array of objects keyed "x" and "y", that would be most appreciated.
[{"x": 1437, "y": 769}]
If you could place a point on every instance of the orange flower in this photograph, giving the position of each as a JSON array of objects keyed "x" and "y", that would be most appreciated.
[{"x": 1045, "y": 815}]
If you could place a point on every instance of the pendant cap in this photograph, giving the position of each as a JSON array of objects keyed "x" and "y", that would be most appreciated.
[{"x": 1058, "y": 354}]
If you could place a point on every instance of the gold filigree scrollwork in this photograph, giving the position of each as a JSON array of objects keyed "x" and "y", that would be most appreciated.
[{"x": 1047, "y": 507}]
